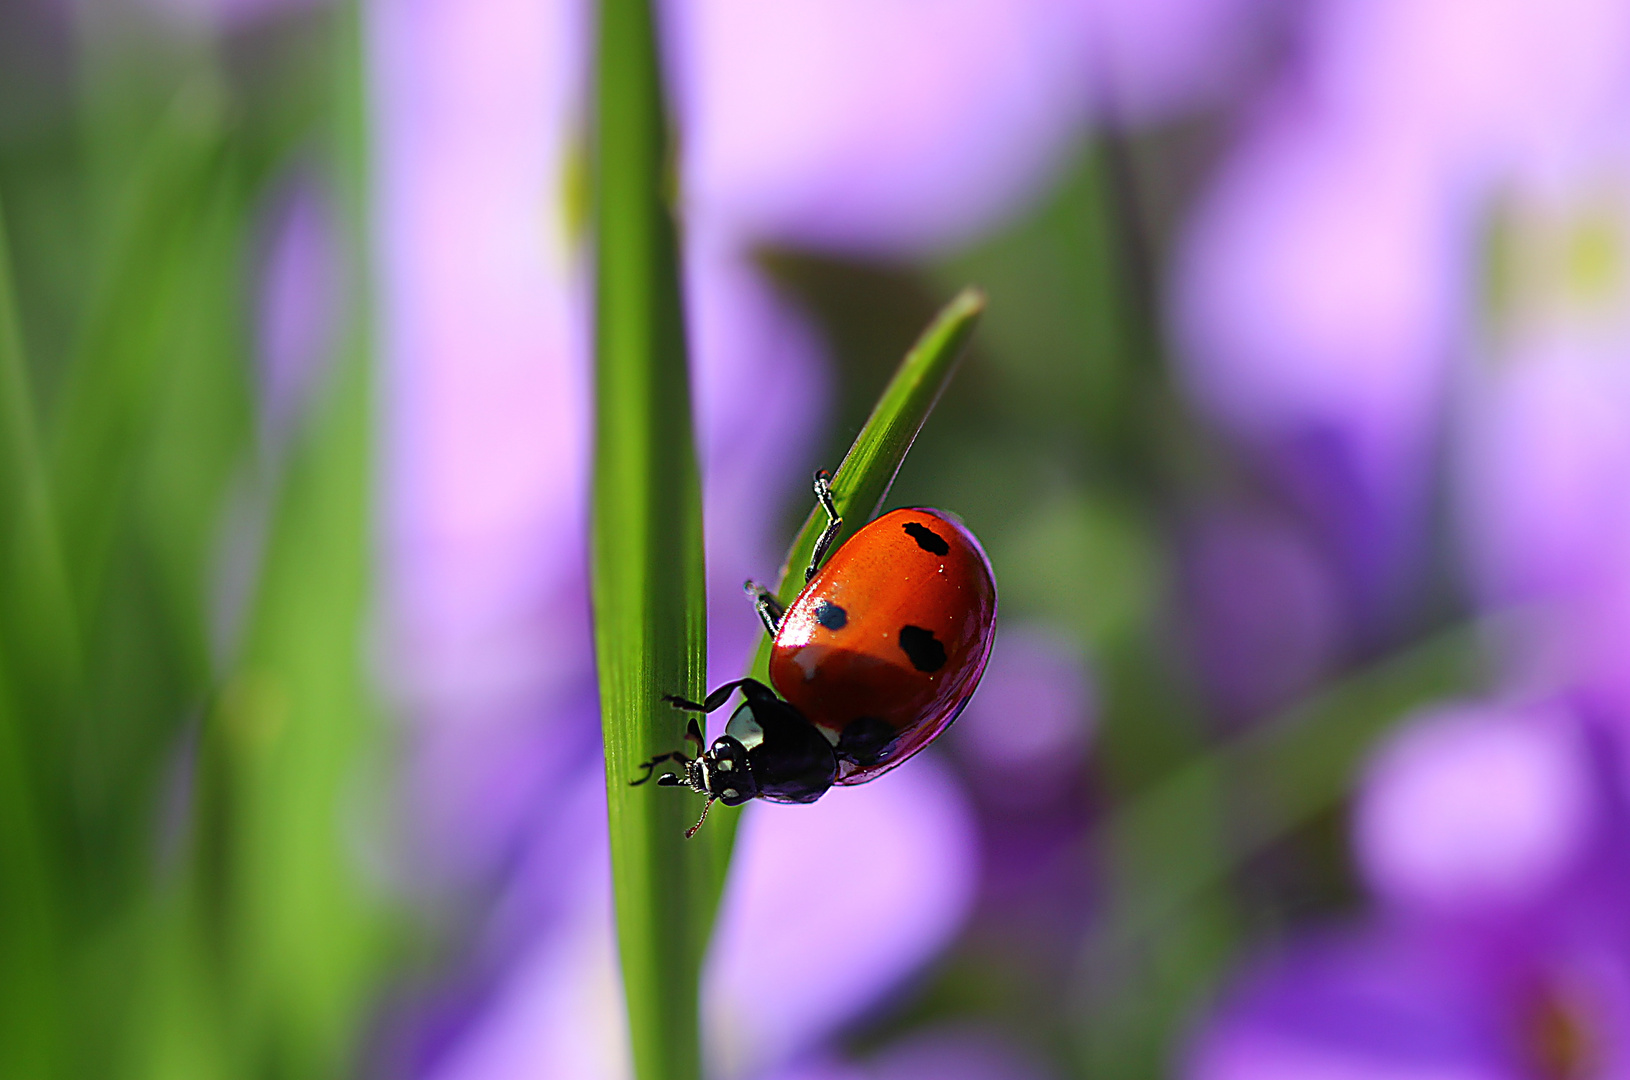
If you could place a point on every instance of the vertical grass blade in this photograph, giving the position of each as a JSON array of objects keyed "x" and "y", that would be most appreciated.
[{"x": 646, "y": 551}]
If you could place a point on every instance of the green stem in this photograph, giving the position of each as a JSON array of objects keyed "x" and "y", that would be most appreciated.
[{"x": 646, "y": 549}]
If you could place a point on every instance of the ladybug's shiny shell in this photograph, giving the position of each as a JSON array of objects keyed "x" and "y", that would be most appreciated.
[{"x": 886, "y": 643}]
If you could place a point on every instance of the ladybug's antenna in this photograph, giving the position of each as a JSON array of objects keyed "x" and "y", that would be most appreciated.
[{"x": 690, "y": 832}]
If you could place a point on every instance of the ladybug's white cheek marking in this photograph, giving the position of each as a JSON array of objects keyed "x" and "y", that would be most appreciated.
[
  {"x": 731, "y": 793},
  {"x": 726, "y": 765},
  {"x": 745, "y": 730}
]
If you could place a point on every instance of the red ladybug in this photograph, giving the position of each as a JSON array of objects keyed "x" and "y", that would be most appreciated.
[{"x": 874, "y": 659}]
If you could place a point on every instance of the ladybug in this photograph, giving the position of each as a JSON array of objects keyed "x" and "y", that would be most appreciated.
[{"x": 877, "y": 655}]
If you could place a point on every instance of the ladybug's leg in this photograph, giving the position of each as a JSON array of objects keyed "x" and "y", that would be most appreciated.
[
  {"x": 649, "y": 766},
  {"x": 768, "y": 607},
  {"x": 834, "y": 524},
  {"x": 714, "y": 700}
]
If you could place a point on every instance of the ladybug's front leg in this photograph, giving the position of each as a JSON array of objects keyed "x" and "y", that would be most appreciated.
[
  {"x": 693, "y": 735},
  {"x": 714, "y": 700},
  {"x": 650, "y": 766}
]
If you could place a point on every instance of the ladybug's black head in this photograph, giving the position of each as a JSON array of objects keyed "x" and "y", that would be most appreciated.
[
  {"x": 768, "y": 750},
  {"x": 723, "y": 773}
]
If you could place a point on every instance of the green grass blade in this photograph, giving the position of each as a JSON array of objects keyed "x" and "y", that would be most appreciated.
[
  {"x": 298, "y": 722},
  {"x": 649, "y": 609},
  {"x": 34, "y": 577},
  {"x": 130, "y": 324},
  {"x": 29, "y": 980}
]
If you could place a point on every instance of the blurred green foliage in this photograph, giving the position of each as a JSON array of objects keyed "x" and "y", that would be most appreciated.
[{"x": 177, "y": 895}]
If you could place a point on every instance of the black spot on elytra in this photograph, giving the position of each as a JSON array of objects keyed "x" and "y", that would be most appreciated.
[
  {"x": 926, "y": 653},
  {"x": 830, "y": 615},
  {"x": 927, "y": 538},
  {"x": 865, "y": 740}
]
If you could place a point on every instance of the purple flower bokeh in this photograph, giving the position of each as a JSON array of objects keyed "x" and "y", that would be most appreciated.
[
  {"x": 485, "y": 421},
  {"x": 1023, "y": 746},
  {"x": 559, "y": 1010},
  {"x": 890, "y": 126},
  {"x": 1542, "y": 450},
  {"x": 1476, "y": 809},
  {"x": 1414, "y": 264},
  {"x": 1035, "y": 674},
  {"x": 1316, "y": 304},
  {"x": 300, "y": 297},
  {"x": 1389, "y": 1005},
  {"x": 878, "y": 125},
  {"x": 1262, "y": 611},
  {"x": 1333, "y": 291},
  {"x": 1496, "y": 846}
]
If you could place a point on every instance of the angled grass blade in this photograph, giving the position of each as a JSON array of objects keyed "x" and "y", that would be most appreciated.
[{"x": 863, "y": 478}]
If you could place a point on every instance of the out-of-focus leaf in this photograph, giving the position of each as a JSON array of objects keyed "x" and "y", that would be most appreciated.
[
  {"x": 1169, "y": 926},
  {"x": 34, "y": 577},
  {"x": 862, "y": 481},
  {"x": 292, "y": 730},
  {"x": 144, "y": 299},
  {"x": 31, "y": 577}
]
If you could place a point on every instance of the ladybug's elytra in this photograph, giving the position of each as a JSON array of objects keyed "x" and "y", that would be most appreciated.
[{"x": 874, "y": 659}]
